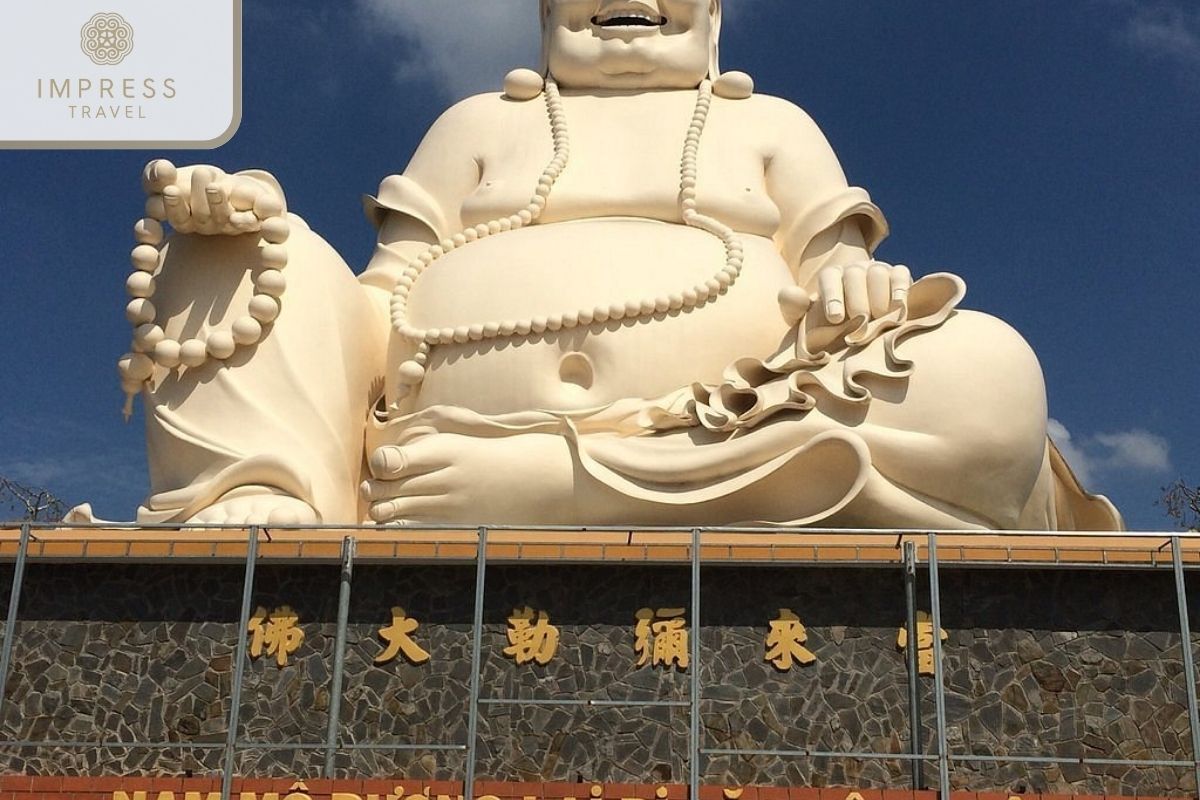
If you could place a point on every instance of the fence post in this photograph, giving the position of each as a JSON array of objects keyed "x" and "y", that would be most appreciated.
[
  {"x": 339, "y": 654},
  {"x": 239, "y": 664}
]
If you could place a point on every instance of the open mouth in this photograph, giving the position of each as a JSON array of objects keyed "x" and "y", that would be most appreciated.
[{"x": 626, "y": 18}]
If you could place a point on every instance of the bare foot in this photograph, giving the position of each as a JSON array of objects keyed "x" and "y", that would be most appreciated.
[{"x": 258, "y": 509}]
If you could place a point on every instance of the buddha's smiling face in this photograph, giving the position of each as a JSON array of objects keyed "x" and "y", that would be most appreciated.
[{"x": 629, "y": 44}]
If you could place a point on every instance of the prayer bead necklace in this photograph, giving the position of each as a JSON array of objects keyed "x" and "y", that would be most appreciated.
[
  {"x": 412, "y": 371},
  {"x": 152, "y": 347}
]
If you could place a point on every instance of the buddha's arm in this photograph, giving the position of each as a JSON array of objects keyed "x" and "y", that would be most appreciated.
[
  {"x": 420, "y": 207},
  {"x": 828, "y": 229},
  {"x": 823, "y": 220}
]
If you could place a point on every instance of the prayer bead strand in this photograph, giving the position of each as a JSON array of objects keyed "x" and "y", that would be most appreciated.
[
  {"x": 412, "y": 371},
  {"x": 152, "y": 347}
]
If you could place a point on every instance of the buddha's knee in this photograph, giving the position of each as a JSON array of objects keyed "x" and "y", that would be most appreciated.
[
  {"x": 977, "y": 376},
  {"x": 977, "y": 404}
]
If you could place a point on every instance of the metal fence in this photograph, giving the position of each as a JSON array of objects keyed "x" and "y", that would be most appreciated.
[{"x": 1164, "y": 551}]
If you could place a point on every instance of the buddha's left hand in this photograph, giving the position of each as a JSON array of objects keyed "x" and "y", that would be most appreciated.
[
  {"x": 443, "y": 477},
  {"x": 861, "y": 290},
  {"x": 841, "y": 295}
]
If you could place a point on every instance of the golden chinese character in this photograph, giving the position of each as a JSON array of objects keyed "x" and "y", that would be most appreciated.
[
  {"x": 785, "y": 642},
  {"x": 276, "y": 631},
  {"x": 670, "y": 638},
  {"x": 924, "y": 642},
  {"x": 531, "y": 637},
  {"x": 641, "y": 635},
  {"x": 397, "y": 637}
]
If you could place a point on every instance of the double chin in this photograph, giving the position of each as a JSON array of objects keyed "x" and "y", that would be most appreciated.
[{"x": 632, "y": 67}]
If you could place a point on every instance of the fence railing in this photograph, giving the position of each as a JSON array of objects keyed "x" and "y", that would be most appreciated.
[{"x": 913, "y": 552}]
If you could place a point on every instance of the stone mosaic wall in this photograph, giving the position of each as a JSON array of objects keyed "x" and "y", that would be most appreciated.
[{"x": 1050, "y": 663}]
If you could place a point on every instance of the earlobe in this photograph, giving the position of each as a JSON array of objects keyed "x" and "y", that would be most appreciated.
[
  {"x": 714, "y": 68},
  {"x": 544, "y": 66}
]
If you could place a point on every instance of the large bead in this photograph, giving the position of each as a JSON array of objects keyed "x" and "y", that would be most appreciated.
[
  {"x": 275, "y": 230},
  {"x": 144, "y": 257},
  {"x": 273, "y": 256},
  {"x": 523, "y": 84},
  {"x": 135, "y": 367},
  {"x": 140, "y": 310},
  {"x": 733, "y": 85},
  {"x": 148, "y": 231},
  {"x": 193, "y": 353},
  {"x": 140, "y": 284},
  {"x": 411, "y": 373},
  {"x": 221, "y": 345},
  {"x": 166, "y": 353},
  {"x": 147, "y": 335},
  {"x": 246, "y": 330},
  {"x": 264, "y": 308},
  {"x": 270, "y": 282},
  {"x": 157, "y": 174}
]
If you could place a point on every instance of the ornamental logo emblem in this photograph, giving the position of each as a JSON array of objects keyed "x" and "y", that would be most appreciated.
[{"x": 106, "y": 38}]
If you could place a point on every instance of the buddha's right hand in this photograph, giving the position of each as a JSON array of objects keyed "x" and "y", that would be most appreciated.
[{"x": 207, "y": 200}]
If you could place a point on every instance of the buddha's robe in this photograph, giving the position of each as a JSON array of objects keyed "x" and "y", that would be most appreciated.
[{"x": 930, "y": 416}]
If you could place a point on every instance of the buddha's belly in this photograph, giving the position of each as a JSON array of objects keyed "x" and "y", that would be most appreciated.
[{"x": 603, "y": 267}]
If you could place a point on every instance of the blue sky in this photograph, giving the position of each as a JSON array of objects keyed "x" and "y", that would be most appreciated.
[{"x": 1048, "y": 151}]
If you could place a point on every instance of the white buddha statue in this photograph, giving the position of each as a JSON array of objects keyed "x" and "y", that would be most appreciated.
[{"x": 627, "y": 290}]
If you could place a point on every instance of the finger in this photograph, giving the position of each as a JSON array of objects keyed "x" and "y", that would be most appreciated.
[
  {"x": 243, "y": 221},
  {"x": 178, "y": 213},
  {"x": 267, "y": 205},
  {"x": 218, "y": 206},
  {"x": 879, "y": 288},
  {"x": 854, "y": 288},
  {"x": 793, "y": 303},
  {"x": 202, "y": 178},
  {"x": 244, "y": 193},
  {"x": 156, "y": 208},
  {"x": 158, "y": 175},
  {"x": 901, "y": 282},
  {"x": 829, "y": 284}
]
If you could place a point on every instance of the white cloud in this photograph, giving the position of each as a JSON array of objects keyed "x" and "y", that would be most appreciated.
[
  {"x": 1135, "y": 450},
  {"x": 1166, "y": 31},
  {"x": 1106, "y": 454},
  {"x": 76, "y": 462},
  {"x": 460, "y": 47},
  {"x": 463, "y": 47}
]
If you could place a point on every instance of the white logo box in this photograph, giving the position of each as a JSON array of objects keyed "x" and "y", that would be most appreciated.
[{"x": 68, "y": 78}]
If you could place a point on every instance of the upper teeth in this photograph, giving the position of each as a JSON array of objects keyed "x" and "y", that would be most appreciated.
[{"x": 610, "y": 15}]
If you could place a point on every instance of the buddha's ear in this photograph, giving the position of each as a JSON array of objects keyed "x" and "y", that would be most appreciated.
[
  {"x": 544, "y": 19},
  {"x": 714, "y": 15}
]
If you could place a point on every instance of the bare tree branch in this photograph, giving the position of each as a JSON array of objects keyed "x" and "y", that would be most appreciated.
[
  {"x": 1182, "y": 502},
  {"x": 21, "y": 503}
]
